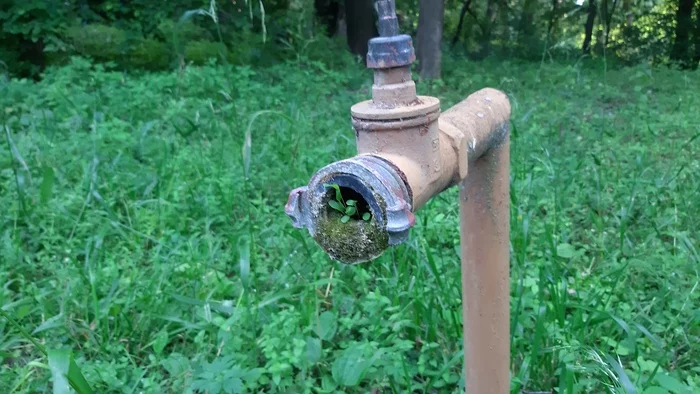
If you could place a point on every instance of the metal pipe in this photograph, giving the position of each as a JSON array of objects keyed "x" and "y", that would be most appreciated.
[
  {"x": 484, "y": 207},
  {"x": 407, "y": 154}
]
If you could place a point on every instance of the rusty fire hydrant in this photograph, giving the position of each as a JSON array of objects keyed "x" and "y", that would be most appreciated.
[{"x": 407, "y": 154}]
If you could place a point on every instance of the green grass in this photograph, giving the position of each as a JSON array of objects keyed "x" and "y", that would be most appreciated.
[{"x": 131, "y": 235}]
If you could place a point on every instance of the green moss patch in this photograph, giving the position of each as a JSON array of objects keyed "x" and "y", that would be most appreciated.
[{"x": 353, "y": 242}]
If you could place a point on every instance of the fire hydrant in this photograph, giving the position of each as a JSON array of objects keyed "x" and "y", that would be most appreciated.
[{"x": 408, "y": 152}]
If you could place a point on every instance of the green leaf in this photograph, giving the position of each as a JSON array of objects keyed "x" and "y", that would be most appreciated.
[
  {"x": 565, "y": 250},
  {"x": 655, "y": 390},
  {"x": 345, "y": 219},
  {"x": 233, "y": 385},
  {"x": 351, "y": 203},
  {"x": 622, "y": 350},
  {"x": 244, "y": 260},
  {"x": 49, "y": 324},
  {"x": 313, "y": 350},
  {"x": 672, "y": 384},
  {"x": 327, "y": 326},
  {"x": 207, "y": 384},
  {"x": 251, "y": 376},
  {"x": 59, "y": 364},
  {"x": 338, "y": 195},
  {"x": 622, "y": 377},
  {"x": 350, "y": 368},
  {"x": 47, "y": 181},
  {"x": 77, "y": 380},
  {"x": 65, "y": 370},
  {"x": 337, "y": 206},
  {"x": 350, "y": 211},
  {"x": 161, "y": 341},
  {"x": 649, "y": 335},
  {"x": 366, "y": 216},
  {"x": 176, "y": 364},
  {"x": 246, "y": 153}
]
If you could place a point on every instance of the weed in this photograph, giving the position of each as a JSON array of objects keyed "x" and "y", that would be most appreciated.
[{"x": 349, "y": 209}]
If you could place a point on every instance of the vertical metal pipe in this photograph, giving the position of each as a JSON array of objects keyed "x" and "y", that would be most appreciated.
[
  {"x": 386, "y": 13},
  {"x": 485, "y": 245}
]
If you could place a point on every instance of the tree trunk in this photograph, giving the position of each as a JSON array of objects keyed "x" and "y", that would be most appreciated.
[
  {"x": 527, "y": 31},
  {"x": 360, "y": 18},
  {"x": 553, "y": 17},
  {"x": 33, "y": 55},
  {"x": 342, "y": 30},
  {"x": 328, "y": 12},
  {"x": 590, "y": 22},
  {"x": 609, "y": 14},
  {"x": 696, "y": 57},
  {"x": 684, "y": 26},
  {"x": 487, "y": 29},
  {"x": 462, "y": 14},
  {"x": 430, "y": 17}
]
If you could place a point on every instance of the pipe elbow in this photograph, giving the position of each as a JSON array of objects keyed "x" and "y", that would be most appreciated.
[
  {"x": 461, "y": 135},
  {"x": 481, "y": 120},
  {"x": 407, "y": 155}
]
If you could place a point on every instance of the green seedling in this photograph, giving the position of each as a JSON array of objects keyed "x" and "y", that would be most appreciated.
[{"x": 347, "y": 208}]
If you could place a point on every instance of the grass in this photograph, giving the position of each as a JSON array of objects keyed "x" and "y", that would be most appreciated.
[{"x": 136, "y": 233}]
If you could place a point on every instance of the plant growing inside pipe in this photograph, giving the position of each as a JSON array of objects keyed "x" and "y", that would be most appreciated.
[{"x": 349, "y": 209}]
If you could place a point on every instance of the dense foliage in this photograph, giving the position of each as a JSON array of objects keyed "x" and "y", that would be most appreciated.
[
  {"x": 167, "y": 34},
  {"x": 139, "y": 233},
  {"x": 147, "y": 34}
]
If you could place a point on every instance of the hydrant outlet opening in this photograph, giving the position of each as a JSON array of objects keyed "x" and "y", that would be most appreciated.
[
  {"x": 351, "y": 220},
  {"x": 354, "y": 209}
]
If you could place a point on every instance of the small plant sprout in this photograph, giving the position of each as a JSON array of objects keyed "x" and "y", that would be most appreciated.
[{"x": 349, "y": 209}]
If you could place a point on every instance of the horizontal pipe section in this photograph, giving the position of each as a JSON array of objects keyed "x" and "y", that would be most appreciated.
[
  {"x": 482, "y": 118},
  {"x": 436, "y": 156}
]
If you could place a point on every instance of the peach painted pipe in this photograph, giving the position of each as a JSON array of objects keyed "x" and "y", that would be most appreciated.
[{"x": 408, "y": 152}]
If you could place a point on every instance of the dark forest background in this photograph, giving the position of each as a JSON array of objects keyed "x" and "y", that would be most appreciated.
[{"x": 155, "y": 35}]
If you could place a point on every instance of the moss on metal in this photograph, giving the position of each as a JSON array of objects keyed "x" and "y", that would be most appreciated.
[{"x": 353, "y": 242}]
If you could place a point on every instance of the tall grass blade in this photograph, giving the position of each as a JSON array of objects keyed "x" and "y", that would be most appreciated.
[
  {"x": 247, "y": 140},
  {"x": 59, "y": 364},
  {"x": 72, "y": 372},
  {"x": 47, "y": 181},
  {"x": 65, "y": 371},
  {"x": 262, "y": 17},
  {"x": 244, "y": 261},
  {"x": 621, "y": 375}
]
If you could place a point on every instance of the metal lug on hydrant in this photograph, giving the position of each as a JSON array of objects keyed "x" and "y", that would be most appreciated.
[{"x": 408, "y": 152}]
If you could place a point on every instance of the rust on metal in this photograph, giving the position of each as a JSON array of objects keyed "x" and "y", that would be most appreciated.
[
  {"x": 391, "y": 49},
  {"x": 420, "y": 105},
  {"x": 485, "y": 246},
  {"x": 388, "y": 23},
  {"x": 390, "y": 52},
  {"x": 408, "y": 152}
]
